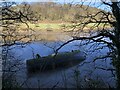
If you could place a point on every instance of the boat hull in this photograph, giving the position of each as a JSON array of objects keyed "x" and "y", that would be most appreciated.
[{"x": 64, "y": 60}]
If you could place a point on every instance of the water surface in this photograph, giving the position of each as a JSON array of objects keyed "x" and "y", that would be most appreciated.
[{"x": 47, "y": 47}]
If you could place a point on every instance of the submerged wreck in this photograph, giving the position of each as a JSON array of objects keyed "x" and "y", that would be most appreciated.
[{"x": 61, "y": 60}]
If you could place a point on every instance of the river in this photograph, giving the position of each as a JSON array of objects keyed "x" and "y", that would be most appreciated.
[{"x": 63, "y": 77}]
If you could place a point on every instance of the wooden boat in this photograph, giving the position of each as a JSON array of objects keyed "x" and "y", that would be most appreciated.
[{"x": 62, "y": 60}]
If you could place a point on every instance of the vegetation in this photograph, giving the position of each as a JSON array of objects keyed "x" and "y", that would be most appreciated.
[
  {"x": 51, "y": 15},
  {"x": 99, "y": 37},
  {"x": 15, "y": 16},
  {"x": 44, "y": 26},
  {"x": 54, "y": 12}
]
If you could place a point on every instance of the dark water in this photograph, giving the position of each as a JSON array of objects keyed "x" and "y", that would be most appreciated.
[{"x": 51, "y": 78}]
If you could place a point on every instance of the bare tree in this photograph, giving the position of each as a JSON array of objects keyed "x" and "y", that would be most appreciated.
[
  {"x": 106, "y": 26},
  {"x": 14, "y": 16}
]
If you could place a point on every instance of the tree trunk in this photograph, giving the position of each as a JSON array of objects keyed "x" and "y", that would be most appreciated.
[
  {"x": 116, "y": 13},
  {"x": 118, "y": 69}
]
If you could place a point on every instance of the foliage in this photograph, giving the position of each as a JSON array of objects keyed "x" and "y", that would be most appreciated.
[{"x": 51, "y": 11}]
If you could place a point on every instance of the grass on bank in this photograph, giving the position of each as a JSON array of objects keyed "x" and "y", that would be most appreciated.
[
  {"x": 44, "y": 26},
  {"x": 62, "y": 26}
]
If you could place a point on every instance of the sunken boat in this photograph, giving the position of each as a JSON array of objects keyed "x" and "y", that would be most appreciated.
[{"x": 51, "y": 62}]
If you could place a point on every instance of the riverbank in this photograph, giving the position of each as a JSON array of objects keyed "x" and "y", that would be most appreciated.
[{"x": 61, "y": 26}]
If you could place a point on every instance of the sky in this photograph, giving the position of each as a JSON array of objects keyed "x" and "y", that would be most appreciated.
[
  {"x": 55, "y": 0},
  {"x": 93, "y": 3}
]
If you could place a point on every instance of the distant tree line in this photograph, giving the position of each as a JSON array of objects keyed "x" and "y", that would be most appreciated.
[{"x": 50, "y": 11}]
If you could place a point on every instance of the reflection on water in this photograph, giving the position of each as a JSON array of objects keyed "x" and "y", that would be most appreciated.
[
  {"x": 49, "y": 79},
  {"x": 53, "y": 36}
]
